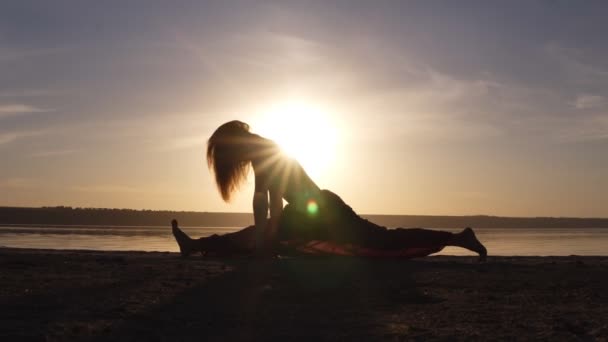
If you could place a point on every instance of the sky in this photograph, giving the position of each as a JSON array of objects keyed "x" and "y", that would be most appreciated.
[{"x": 425, "y": 107}]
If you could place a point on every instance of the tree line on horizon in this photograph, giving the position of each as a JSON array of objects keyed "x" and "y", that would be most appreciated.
[{"x": 62, "y": 215}]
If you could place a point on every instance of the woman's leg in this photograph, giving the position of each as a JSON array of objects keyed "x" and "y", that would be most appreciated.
[
  {"x": 467, "y": 239},
  {"x": 428, "y": 238},
  {"x": 377, "y": 237},
  {"x": 345, "y": 226},
  {"x": 240, "y": 242}
]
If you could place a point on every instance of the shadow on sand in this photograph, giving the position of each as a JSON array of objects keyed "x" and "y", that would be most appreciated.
[
  {"x": 298, "y": 298},
  {"x": 124, "y": 296}
]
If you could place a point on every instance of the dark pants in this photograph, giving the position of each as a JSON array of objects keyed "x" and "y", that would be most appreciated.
[{"x": 334, "y": 221}]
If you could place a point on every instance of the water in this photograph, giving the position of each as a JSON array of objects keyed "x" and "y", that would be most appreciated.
[{"x": 516, "y": 241}]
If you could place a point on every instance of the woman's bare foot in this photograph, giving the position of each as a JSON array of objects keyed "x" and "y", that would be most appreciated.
[
  {"x": 186, "y": 244},
  {"x": 467, "y": 239}
]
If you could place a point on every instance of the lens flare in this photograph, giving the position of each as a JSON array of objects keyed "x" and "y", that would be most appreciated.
[{"x": 312, "y": 207}]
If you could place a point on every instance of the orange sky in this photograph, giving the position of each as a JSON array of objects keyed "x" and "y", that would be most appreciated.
[{"x": 410, "y": 108}]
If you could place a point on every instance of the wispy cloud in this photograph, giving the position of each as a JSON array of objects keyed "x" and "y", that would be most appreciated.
[
  {"x": 273, "y": 50},
  {"x": 589, "y": 129},
  {"x": 586, "y": 101},
  {"x": 29, "y": 93},
  {"x": 197, "y": 141},
  {"x": 16, "y": 109},
  {"x": 121, "y": 189},
  {"x": 107, "y": 188},
  {"x": 18, "y": 183},
  {"x": 53, "y": 153},
  {"x": 9, "y": 137},
  {"x": 8, "y": 54},
  {"x": 571, "y": 61}
]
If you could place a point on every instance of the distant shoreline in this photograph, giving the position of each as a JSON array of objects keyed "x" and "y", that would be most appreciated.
[{"x": 61, "y": 216}]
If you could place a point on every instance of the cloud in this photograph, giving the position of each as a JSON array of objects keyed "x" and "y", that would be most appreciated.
[
  {"x": 53, "y": 153},
  {"x": 589, "y": 101},
  {"x": 446, "y": 88},
  {"x": 9, "y": 137},
  {"x": 28, "y": 93},
  {"x": 19, "y": 183},
  {"x": 107, "y": 188},
  {"x": 8, "y": 54},
  {"x": 573, "y": 64},
  {"x": 123, "y": 189},
  {"x": 6, "y": 138},
  {"x": 19, "y": 109},
  {"x": 275, "y": 51},
  {"x": 589, "y": 129},
  {"x": 198, "y": 141}
]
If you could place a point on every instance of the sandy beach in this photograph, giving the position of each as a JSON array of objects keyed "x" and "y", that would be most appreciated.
[{"x": 82, "y": 295}]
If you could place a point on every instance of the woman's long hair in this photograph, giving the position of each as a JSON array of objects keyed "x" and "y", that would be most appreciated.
[{"x": 229, "y": 155}]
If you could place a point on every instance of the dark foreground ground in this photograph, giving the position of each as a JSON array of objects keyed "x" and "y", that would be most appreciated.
[{"x": 66, "y": 295}]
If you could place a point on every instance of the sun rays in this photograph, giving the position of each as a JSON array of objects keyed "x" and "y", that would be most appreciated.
[{"x": 303, "y": 131}]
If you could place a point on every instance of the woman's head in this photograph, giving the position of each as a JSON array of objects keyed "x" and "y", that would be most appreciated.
[{"x": 229, "y": 155}]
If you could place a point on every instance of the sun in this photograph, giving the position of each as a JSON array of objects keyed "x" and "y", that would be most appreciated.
[{"x": 304, "y": 132}]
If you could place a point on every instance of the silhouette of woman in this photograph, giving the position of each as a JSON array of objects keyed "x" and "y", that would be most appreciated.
[{"x": 314, "y": 220}]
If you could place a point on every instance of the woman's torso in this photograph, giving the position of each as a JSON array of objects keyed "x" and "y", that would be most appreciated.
[{"x": 276, "y": 172}]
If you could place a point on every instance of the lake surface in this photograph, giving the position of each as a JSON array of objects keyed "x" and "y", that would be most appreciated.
[{"x": 515, "y": 241}]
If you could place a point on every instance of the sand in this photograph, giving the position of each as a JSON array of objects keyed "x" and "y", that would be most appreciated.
[{"x": 81, "y": 295}]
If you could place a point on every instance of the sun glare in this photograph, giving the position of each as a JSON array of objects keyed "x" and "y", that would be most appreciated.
[{"x": 305, "y": 132}]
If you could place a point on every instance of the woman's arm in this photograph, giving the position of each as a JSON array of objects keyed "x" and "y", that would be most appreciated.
[
  {"x": 276, "y": 208},
  {"x": 260, "y": 216}
]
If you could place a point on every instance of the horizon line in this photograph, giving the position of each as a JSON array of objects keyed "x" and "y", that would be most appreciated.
[{"x": 251, "y": 213}]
